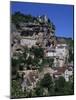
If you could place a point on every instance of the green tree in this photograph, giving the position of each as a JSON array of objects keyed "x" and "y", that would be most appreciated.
[
  {"x": 38, "y": 52},
  {"x": 46, "y": 81},
  {"x": 48, "y": 84},
  {"x": 29, "y": 61},
  {"x": 69, "y": 88},
  {"x": 16, "y": 91},
  {"x": 39, "y": 91},
  {"x": 59, "y": 85},
  {"x": 14, "y": 67},
  {"x": 18, "y": 17},
  {"x": 71, "y": 55}
]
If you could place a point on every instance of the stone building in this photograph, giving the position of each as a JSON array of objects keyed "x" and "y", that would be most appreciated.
[{"x": 60, "y": 54}]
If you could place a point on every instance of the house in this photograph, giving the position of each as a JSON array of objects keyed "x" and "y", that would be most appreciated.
[
  {"x": 62, "y": 50},
  {"x": 60, "y": 54},
  {"x": 63, "y": 71},
  {"x": 51, "y": 53},
  {"x": 28, "y": 41}
]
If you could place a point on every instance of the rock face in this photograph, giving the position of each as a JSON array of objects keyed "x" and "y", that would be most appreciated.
[{"x": 40, "y": 32}]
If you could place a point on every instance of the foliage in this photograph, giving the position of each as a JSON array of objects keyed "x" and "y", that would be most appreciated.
[
  {"x": 16, "y": 91},
  {"x": 39, "y": 91},
  {"x": 59, "y": 84},
  {"x": 14, "y": 67},
  {"x": 20, "y": 63},
  {"x": 69, "y": 88},
  {"x": 29, "y": 61},
  {"x": 70, "y": 43},
  {"x": 18, "y": 17},
  {"x": 48, "y": 61},
  {"x": 62, "y": 87},
  {"x": 38, "y": 52},
  {"x": 46, "y": 81},
  {"x": 71, "y": 55},
  {"x": 59, "y": 87}
]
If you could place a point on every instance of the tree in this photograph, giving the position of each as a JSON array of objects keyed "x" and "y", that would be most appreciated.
[
  {"x": 35, "y": 61},
  {"x": 46, "y": 81},
  {"x": 62, "y": 87},
  {"x": 16, "y": 91},
  {"x": 70, "y": 43},
  {"x": 38, "y": 52},
  {"x": 69, "y": 88},
  {"x": 59, "y": 85},
  {"x": 17, "y": 62},
  {"x": 14, "y": 67},
  {"x": 39, "y": 91},
  {"x": 18, "y": 17},
  {"x": 50, "y": 61},
  {"x": 71, "y": 55},
  {"x": 29, "y": 61}
]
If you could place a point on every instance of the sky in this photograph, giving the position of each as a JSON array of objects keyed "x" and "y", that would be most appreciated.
[{"x": 60, "y": 15}]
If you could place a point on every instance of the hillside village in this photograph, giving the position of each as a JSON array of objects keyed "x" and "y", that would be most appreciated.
[{"x": 36, "y": 52}]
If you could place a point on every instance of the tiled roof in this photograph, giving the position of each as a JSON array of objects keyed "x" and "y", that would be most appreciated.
[{"x": 60, "y": 70}]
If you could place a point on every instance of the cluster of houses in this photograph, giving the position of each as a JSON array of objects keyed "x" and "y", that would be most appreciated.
[
  {"x": 35, "y": 34},
  {"x": 31, "y": 77}
]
